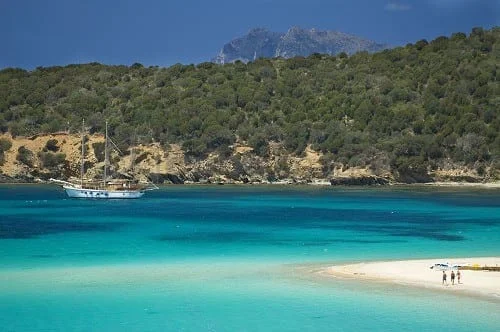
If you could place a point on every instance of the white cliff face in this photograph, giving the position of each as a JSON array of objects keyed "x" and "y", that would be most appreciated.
[{"x": 295, "y": 42}]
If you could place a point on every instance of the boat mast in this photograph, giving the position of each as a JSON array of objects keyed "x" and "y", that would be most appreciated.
[
  {"x": 82, "y": 166},
  {"x": 106, "y": 155},
  {"x": 132, "y": 159},
  {"x": 132, "y": 154}
]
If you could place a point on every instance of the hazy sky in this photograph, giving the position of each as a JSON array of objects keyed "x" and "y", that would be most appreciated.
[{"x": 155, "y": 32}]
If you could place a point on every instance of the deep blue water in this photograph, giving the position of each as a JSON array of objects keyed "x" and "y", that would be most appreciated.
[{"x": 231, "y": 258}]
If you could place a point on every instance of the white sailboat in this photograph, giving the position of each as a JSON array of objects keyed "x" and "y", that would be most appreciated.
[{"x": 105, "y": 189}]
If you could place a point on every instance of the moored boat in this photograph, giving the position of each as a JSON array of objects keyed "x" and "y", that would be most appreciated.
[{"x": 105, "y": 188}]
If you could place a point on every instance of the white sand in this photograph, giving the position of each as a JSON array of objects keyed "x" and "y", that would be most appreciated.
[{"x": 418, "y": 273}]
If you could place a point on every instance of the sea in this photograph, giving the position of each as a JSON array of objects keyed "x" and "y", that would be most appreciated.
[{"x": 238, "y": 258}]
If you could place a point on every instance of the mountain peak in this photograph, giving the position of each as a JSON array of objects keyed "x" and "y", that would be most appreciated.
[
  {"x": 295, "y": 29},
  {"x": 257, "y": 43},
  {"x": 257, "y": 31},
  {"x": 297, "y": 41}
]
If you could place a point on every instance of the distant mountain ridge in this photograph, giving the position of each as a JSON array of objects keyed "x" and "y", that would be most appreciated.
[{"x": 262, "y": 43}]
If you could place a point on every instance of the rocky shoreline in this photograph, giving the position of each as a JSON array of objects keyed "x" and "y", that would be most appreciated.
[
  {"x": 59, "y": 156},
  {"x": 364, "y": 181}
]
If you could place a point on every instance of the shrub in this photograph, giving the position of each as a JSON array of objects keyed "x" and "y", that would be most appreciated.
[
  {"x": 25, "y": 156},
  {"x": 51, "y": 160},
  {"x": 5, "y": 144},
  {"x": 51, "y": 145},
  {"x": 194, "y": 147}
]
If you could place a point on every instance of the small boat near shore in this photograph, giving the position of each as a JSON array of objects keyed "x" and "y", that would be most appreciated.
[
  {"x": 448, "y": 266},
  {"x": 107, "y": 188}
]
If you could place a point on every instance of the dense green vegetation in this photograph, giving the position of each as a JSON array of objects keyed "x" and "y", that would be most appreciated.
[{"x": 408, "y": 109}]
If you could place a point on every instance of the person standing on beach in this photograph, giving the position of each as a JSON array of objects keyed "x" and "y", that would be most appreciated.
[
  {"x": 452, "y": 276},
  {"x": 444, "y": 278},
  {"x": 458, "y": 276}
]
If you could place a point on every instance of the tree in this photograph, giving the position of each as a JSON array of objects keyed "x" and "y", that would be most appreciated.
[{"x": 259, "y": 144}]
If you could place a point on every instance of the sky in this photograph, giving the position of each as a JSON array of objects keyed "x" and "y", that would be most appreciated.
[{"x": 47, "y": 33}]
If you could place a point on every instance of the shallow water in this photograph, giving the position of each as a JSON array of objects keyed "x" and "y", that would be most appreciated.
[{"x": 226, "y": 258}]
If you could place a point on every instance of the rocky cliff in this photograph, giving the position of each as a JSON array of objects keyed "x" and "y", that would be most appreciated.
[
  {"x": 295, "y": 42},
  {"x": 33, "y": 159},
  {"x": 27, "y": 161}
]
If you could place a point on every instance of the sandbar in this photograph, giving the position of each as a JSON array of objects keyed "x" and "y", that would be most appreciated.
[{"x": 417, "y": 273}]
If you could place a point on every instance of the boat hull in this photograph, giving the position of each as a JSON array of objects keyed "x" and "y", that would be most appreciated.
[{"x": 101, "y": 193}]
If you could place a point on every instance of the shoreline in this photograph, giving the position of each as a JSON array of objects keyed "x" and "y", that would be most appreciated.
[
  {"x": 479, "y": 185},
  {"x": 417, "y": 274},
  {"x": 495, "y": 184}
]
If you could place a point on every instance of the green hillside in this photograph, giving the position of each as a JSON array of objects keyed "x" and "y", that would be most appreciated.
[{"x": 410, "y": 109}]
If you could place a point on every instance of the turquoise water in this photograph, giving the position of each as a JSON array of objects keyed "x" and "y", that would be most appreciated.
[{"x": 232, "y": 258}]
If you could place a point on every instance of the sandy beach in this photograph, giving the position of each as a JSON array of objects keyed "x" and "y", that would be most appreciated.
[{"x": 417, "y": 273}]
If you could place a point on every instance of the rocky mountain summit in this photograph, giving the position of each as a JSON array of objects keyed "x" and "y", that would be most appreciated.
[{"x": 262, "y": 43}]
